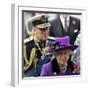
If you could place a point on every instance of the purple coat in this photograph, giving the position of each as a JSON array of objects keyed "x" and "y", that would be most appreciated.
[{"x": 47, "y": 71}]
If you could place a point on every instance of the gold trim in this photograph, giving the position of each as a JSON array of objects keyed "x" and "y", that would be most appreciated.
[{"x": 32, "y": 57}]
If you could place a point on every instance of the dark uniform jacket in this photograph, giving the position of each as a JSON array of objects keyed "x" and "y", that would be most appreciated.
[{"x": 36, "y": 64}]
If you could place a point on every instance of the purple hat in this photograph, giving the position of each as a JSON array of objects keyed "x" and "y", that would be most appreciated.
[{"x": 61, "y": 43}]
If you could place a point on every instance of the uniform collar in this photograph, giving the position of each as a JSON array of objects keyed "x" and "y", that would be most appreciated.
[{"x": 41, "y": 44}]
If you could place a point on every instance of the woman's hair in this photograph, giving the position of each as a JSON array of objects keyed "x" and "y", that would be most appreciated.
[
  {"x": 55, "y": 66},
  {"x": 69, "y": 50}
]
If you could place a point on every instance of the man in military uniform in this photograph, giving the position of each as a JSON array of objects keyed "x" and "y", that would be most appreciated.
[{"x": 34, "y": 46}]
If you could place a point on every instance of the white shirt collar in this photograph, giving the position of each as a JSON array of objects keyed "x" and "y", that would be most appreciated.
[{"x": 63, "y": 21}]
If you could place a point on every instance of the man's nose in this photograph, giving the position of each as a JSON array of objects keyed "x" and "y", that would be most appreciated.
[{"x": 45, "y": 32}]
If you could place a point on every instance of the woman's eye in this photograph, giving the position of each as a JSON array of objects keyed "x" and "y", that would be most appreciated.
[{"x": 65, "y": 52}]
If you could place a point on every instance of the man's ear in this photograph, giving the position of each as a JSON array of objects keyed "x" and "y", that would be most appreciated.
[
  {"x": 32, "y": 32},
  {"x": 33, "y": 29}
]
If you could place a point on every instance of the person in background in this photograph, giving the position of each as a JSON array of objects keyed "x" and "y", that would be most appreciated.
[
  {"x": 76, "y": 54},
  {"x": 65, "y": 25}
]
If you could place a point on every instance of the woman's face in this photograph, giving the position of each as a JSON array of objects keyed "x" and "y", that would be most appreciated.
[{"x": 62, "y": 56}]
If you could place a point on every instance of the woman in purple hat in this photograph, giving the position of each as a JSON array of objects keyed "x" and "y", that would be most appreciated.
[{"x": 59, "y": 66}]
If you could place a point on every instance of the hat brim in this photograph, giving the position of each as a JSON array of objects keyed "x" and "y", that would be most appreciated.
[
  {"x": 71, "y": 47},
  {"x": 44, "y": 25}
]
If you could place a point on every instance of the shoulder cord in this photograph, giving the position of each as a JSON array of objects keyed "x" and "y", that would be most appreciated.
[{"x": 32, "y": 57}]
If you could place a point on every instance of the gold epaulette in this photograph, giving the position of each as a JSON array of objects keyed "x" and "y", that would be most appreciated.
[{"x": 28, "y": 39}]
